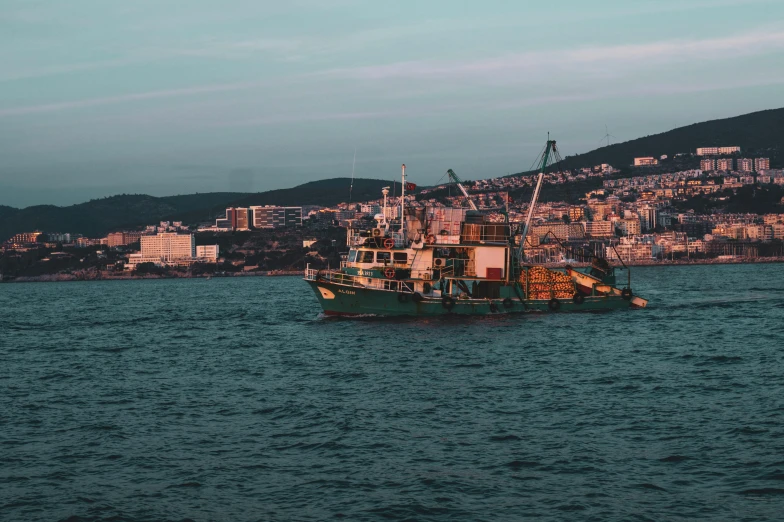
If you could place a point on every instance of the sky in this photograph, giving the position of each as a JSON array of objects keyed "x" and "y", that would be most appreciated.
[{"x": 163, "y": 97}]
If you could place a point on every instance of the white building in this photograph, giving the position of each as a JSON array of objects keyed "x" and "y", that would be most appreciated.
[
  {"x": 642, "y": 162},
  {"x": 208, "y": 253},
  {"x": 165, "y": 248},
  {"x": 717, "y": 151}
]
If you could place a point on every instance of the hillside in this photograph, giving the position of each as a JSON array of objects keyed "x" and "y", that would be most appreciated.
[
  {"x": 757, "y": 134},
  {"x": 99, "y": 216}
]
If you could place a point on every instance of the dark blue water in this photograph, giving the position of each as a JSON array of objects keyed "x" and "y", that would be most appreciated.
[{"x": 231, "y": 399}]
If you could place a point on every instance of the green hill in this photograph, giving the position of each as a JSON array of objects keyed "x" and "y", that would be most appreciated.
[
  {"x": 97, "y": 217},
  {"x": 757, "y": 134}
]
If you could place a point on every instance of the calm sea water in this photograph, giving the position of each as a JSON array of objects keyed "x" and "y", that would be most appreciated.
[{"x": 232, "y": 399}]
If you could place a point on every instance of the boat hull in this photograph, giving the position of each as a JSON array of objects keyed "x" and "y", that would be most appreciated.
[{"x": 337, "y": 299}]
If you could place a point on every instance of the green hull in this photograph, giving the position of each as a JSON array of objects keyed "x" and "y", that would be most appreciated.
[{"x": 338, "y": 299}]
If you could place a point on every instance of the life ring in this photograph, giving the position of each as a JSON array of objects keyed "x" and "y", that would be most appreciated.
[
  {"x": 508, "y": 303},
  {"x": 553, "y": 304},
  {"x": 389, "y": 273},
  {"x": 493, "y": 307},
  {"x": 376, "y": 232},
  {"x": 447, "y": 302},
  {"x": 578, "y": 298},
  {"x": 626, "y": 293},
  {"x": 430, "y": 239},
  {"x": 389, "y": 243},
  {"x": 416, "y": 297},
  {"x": 402, "y": 298}
]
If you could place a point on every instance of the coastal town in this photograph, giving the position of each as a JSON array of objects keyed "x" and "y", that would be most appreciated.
[{"x": 646, "y": 213}]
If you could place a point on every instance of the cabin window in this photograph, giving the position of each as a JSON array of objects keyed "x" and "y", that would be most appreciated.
[
  {"x": 352, "y": 256},
  {"x": 382, "y": 257},
  {"x": 365, "y": 256},
  {"x": 401, "y": 257}
]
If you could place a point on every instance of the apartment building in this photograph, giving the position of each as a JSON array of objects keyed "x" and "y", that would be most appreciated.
[
  {"x": 276, "y": 217},
  {"x": 761, "y": 164},
  {"x": 745, "y": 165},
  {"x": 725, "y": 164},
  {"x": 708, "y": 165}
]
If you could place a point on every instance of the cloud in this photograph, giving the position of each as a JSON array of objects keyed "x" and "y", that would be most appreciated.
[
  {"x": 111, "y": 100},
  {"x": 508, "y": 69},
  {"x": 606, "y": 57}
]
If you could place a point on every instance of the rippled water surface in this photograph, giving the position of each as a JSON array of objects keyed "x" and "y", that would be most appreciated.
[{"x": 231, "y": 399}]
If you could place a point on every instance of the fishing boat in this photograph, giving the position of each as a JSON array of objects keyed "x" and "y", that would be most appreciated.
[{"x": 429, "y": 261}]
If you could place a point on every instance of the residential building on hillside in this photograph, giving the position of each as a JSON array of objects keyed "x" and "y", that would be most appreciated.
[
  {"x": 207, "y": 253},
  {"x": 646, "y": 161},
  {"x": 370, "y": 209},
  {"x": 229, "y": 222},
  {"x": 276, "y": 217},
  {"x": 724, "y": 164},
  {"x": 562, "y": 231},
  {"x": 708, "y": 164},
  {"x": 22, "y": 239},
  {"x": 599, "y": 228},
  {"x": 243, "y": 221},
  {"x": 745, "y": 165},
  {"x": 717, "y": 151},
  {"x": 576, "y": 214},
  {"x": 629, "y": 226},
  {"x": 116, "y": 239},
  {"x": 761, "y": 164}
]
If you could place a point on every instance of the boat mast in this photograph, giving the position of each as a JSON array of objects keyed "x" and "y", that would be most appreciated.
[
  {"x": 550, "y": 147},
  {"x": 403, "y": 203}
]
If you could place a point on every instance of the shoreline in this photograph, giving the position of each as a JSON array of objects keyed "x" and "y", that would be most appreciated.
[{"x": 108, "y": 276}]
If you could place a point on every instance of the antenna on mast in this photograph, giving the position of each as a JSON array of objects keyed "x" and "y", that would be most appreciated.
[{"x": 353, "y": 164}]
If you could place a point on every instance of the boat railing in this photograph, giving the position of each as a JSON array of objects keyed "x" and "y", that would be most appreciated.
[{"x": 357, "y": 281}]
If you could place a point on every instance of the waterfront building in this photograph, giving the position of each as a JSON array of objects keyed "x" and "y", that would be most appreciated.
[
  {"x": 164, "y": 248},
  {"x": 634, "y": 251},
  {"x": 276, "y": 217},
  {"x": 168, "y": 246}
]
